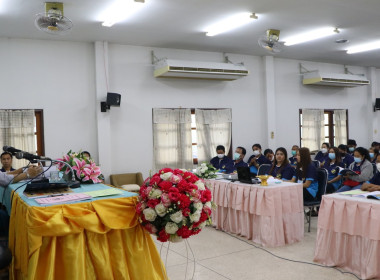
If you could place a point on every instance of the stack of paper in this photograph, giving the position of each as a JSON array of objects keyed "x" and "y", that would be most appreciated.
[{"x": 60, "y": 199}]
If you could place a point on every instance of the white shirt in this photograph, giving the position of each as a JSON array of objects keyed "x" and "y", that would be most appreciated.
[{"x": 5, "y": 179}]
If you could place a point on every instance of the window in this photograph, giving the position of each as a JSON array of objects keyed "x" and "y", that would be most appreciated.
[
  {"x": 331, "y": 129},
  {"x": 39, "y": 132}
]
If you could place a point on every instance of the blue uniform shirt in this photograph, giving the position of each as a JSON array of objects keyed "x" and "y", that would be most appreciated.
[
  {"x": 260, "y": 160},
  {"x": 333, "y": 171},
  {"x": 3, "y": 170},
  {"x": 311, "y": 175},
  {"x": 284, "y": 173},
  {"x": 241, "y": 163},
  {"x": 293, "y": 161},
  {"x": 322, "y": 158},
  {"x": 347, "y": 160},
  {"x": 225, "y": 164},
  {"x": 376, "y": 179}
]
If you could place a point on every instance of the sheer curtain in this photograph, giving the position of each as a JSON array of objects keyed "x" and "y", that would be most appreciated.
[
  {"x": 172, "y": 145},
  {"x": 313, "y": 132},
  {"x": 340, "y": 121},
  {"x": 213, "y": 129},
  {"x": 17, "y": 130}
]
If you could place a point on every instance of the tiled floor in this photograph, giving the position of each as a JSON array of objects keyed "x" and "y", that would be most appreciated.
[{"x": 220, "y": 256}]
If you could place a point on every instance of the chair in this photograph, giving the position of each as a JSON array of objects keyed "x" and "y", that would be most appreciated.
[
  {"x": 316, "y": 163},
  {"x": 322, "y": 176},
  {"x": 5, "y": 258},
  {"x": 264, "y": 169},
  {"x": 127, "y": 181}
]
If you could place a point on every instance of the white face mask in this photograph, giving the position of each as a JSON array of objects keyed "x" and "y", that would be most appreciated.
[
  {"x": 256, "y": 152},
  {"x": 378, "y": 166},
  {"x": 220, "y": 155},
  {"x": 324, "y": 150}
]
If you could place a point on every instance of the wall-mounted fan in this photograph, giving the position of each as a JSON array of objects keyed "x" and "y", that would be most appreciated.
[
  {"x": 271, "y": 42},
  {"x": 53, "y": 21}
]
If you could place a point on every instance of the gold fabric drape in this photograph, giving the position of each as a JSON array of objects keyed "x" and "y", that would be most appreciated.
[{"x": 101, "y": 239}]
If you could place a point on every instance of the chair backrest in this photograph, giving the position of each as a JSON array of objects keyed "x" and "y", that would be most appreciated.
[
  {"x": 126, "y": 178},
  {"x": 264, "y": 169},
  {"x": 316, "y": 163},
  {"x": 322, "y": 178}
]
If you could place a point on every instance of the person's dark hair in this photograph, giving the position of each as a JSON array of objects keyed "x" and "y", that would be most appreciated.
[
  {"x": 343, "y": 147},
  {"x": 351, "y": 142},
  {"x": 363, "y": 152},
  {"x": 327, "y": 144},
  {"x": 6, "y": 153},
  {"x": 220, "y": 147},
  {"x": 338, "y": 158},
  {"x": 268, "y": 151},
  {"x": 85, "y": 152},
  {"x": 256, "y": 145},
  {"x": 295, "y": 146},
  {"x": 243, "y": 150},
  {"x": 374, "y": 144},
  {"x": 305, "y": 161},
  {"x": 284, "y": 163}
]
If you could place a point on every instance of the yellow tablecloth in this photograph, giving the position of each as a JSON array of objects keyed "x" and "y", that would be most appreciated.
[{"x": 100, "y": 239}]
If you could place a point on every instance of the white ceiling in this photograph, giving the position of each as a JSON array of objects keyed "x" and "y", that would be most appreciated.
[{"x": 180, "y": 24}]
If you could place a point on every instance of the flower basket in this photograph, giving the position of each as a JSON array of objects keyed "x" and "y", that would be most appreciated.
[
  {"x": 174, "y": 205},
  {"x": 85, "y": 169}
]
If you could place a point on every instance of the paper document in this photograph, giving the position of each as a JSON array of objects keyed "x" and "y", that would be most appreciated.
[
  {"x": 354, "y": 192},
  {"x": 106, "y": 192},
  {"x": 62, "y": 198}
]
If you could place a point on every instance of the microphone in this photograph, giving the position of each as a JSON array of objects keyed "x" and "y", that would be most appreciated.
[
  {"x": 11, "y": 150},
  {"x": 30, "y": 157}
]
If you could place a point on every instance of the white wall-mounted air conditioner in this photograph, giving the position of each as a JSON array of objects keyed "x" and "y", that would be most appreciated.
[
  {"x": 170, "y": 68},
  {"x": 334, "y": 79}
]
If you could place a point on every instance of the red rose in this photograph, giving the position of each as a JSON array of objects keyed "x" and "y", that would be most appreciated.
[
  {"x": 191, "y": 187},
  {"x": 203, "y": 217},
  {"x": 182, "y": 185},
  {"x": 153, "y": 202},
  {"x": 174, "y": 196},
  {"x": 165, "y": 170},
  {"x": 186, "y": 212},
  {"x": 163, "y": 236},
  {"x": 196, "y": 231},
  {"x": 207, "y": 211},
  {"x": 151, "y": 228},
  {"x": 165, "y": 186},
  {"x": 155, "y": 180},
  {"x": 140, "y": 207},
  {"x": 178, "y": 172},
  {"x": 206, "y": 196},
  {"x": 184, "y": 232},
  {"x": 184, "y": 201}
]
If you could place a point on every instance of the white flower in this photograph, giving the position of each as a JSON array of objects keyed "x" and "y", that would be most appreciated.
[
  {"x": 195, "y": 217},
  {"x": 208, "y": 204},
  {"x": 203, "y": 164},
  {"x": 160, "y": 209},
  {"x": 155, "y": 193},
  {"x": 149, "y": 214},
  {"x": 176, "y": 217},
  {"x": 166, "y": 176},
  {"x": 171, "y": 228},
  {"x": 203, "y": 169},
  {"x": 200, "y": 185},
  {"x": 198, "y": 205},
  {"x": 175, "y": 238}
]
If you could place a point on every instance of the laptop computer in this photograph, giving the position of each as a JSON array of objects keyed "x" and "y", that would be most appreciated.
[{"x": 244, "y": 175}]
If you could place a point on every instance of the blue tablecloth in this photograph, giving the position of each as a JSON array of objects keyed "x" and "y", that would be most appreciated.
[{"x": 6, "y": 198}]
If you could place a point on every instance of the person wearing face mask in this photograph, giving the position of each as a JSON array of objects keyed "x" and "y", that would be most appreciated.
[
  {"x": 257, "y": 159},
  {"x": 221, "y": 162},
  {"x": 373, "y": 152},
  {"x": 281, "y": 168},
  {"x": 373, "y": 184},
  {"x": 347, "y": 159},
  {"x": 351, "y": 143},
  {"x": 332, "y": 167},
  {"x": 239, "y": 157},
  {"x": 293, "y": 159},
  {"x": 323, "y": 155},
  {"x": 361, "y": 166},
  {"x": 268, "y": 153}
]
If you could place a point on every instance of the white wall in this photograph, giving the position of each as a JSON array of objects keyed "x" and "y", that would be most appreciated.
[{"x": 57, "y": 77}]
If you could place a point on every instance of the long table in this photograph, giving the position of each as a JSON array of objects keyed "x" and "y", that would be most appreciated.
[
  {"x": 97, "y": 239},
  {"x": 349, "y": 234},
  {"x": 268, "y": 215}
]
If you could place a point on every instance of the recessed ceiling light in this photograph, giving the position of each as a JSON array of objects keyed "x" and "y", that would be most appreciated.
[
  {"x": 341, "y": 41},
  {"x": 310, "y": 36},
  {"x": 364, "y": 47},
  {"x": 120, "y": 10},
  {"x": 230, "y": 23}
]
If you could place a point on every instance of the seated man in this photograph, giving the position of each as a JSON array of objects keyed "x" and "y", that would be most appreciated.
[
  {"x": 6, "y": 162},
  {"x": 18, "y": 175},
  {"x": 221, "y": 162},
  {"x": 346, "y": 158},
  {"x": 257, "y": 159},
  {"x": 268, "y": 153},
  {"x": 293, "y": 159},
  {"x": 239, "y": 158}
]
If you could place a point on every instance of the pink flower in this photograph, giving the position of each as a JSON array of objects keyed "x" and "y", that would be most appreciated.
[
  {"x": 151, "y": 228},
  {"x": 165, "y": 200},
  {"x": 175, "y": 179}
]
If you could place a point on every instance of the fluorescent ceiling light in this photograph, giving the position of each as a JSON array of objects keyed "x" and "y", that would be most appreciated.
[
  {"x": 364, "y": 48},
  {"x": 310, "y": 36},
  {"x": 119, "y": 11},
  {"x": 230, "y": 23}
]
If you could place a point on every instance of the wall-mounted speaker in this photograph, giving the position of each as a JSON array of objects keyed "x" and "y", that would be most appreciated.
[{"x": 113, "y": 99}]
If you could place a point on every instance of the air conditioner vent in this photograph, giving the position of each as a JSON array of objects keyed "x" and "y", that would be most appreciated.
[{"x": 334, "y": 79}]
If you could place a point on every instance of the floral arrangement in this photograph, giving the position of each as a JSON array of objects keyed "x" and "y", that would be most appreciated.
[
  {"x": 85, "y": 169},
  {"x": 206, "y": 171},
  {"x": 174, "y": 204}
]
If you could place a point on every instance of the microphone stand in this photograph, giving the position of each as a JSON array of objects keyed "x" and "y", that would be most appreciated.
[{"x": 73, "y": 183}]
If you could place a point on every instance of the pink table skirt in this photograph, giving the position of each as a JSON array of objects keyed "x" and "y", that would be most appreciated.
[
  {"x": 271, "y": 216},
  {"x": 349, "y": 235}
]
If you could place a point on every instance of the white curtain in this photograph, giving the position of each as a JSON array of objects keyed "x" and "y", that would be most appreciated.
[
  {"x": 172, "y": 143},
  {"x": 340, "y": 121},
  {"x": 17, "y": 130},
  {"x": 313, "y": 128},
  {"x": 213, "y": 129}
]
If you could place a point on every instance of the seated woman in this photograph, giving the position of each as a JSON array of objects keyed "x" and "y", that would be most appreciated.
[
  {"x": 332, "y": 167},
  {"x": 293, "y": 159},
  {"x": 306, "y": 173},
  {"x": 281, "y": 168},
  {"x": 373, "y": 153},
  {"x": 361, "y": 166},
  {"x": 323, "y": 155},
  {"x": 257, "y": 159}
]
